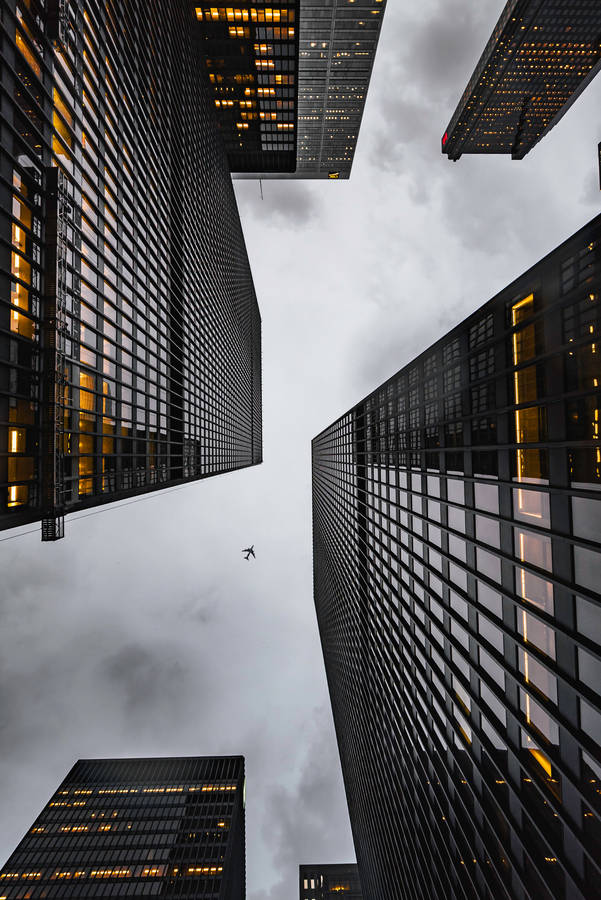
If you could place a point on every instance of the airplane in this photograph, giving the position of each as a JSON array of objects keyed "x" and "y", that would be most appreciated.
[{"x": 250, "y": 551}]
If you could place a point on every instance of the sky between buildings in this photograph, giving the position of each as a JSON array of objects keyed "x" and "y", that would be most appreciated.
[{"x": 144, "y": 632}]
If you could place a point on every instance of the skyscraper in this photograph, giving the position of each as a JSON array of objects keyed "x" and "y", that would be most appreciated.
[
  {"x": 539, "y": 59},
  {"x": 329, "y": 880},
  {"x": 290, "y": 83},
  {"x": 130, "y": 336},
  {"x": 133, "y": 827},
  {"x": 251, "y": 55},
  {"x": 337, "y": 53},
  {"x": 457, "y": 555},
  {"x": 130, "y": 352}
]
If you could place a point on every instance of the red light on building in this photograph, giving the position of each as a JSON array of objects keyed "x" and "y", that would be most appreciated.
[{"x": 445, "y": 138}]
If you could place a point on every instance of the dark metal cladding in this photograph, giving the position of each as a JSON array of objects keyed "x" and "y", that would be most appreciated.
[
  {"x": 329, "y": 881},
  {"x": 168, "y": 827},
  {"x": 338, "y": 45},
  {"x": 457, "y": 565},
  {"x": 539, "y": 59},
  {"x": 130, "y": 336}
]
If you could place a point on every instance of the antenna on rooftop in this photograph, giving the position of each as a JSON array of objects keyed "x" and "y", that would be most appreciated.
[{"x": 261, "y": 186}]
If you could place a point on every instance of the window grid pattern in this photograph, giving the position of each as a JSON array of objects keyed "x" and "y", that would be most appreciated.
[
  {"x": 336, "y": 55},
  {"x": 538, "y": 60},
  {"x": 456, "y": 573},
  {"x": 328, "y": 881},
  {"x": 162, "y": 375},
  {"x": 147, "y": 827},
  {"x": 251, "y": 53}
]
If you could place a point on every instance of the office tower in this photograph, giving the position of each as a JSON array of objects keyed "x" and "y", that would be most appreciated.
[
  {"x": 337, "y": 52},
  {"x": 290, "y": 83},
  {"x": 539, "y": 59},
  {"x": 130, "y": 355},
  {"x": 329, "y": 880},
  {"x": 252, "y": 63},
  {"x": 457, "y": 554},
  {"x": 137, "y": 827}
]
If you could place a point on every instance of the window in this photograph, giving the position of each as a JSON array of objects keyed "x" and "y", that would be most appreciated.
[
  {"x": 486, "y": 497},
  {"x": 488, "y": 531},
  {"x": 533, "y": 548},
  {"x": 536, "y": 632},
  {"x": 455, "y": 491},
  {"x": 589, "y": 670},
  {"x": 588, "y": 619},
  {"x": 490, "y": 599},
  {"x": 586, "y": 516},
  {"x": 532, "y": 506},
  {"x": 490, "y": 632},
  {"x": 536, "y": 590},
  {"x": 488, "y": 564},
  {"x": 587, "y": 568},
  {"x": 537, "y": 675},
  {"x": 538, "y": 718},
  {"x": 495, "y": 705},
  {"x": 590, "y": 721}
]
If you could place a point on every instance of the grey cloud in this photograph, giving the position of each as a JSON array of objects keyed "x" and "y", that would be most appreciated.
[
  {"x": 291, "y": 204},
  {"x": 426, "y": 59},
  {"x": 590, "y": 188},
  {"x": 303, "y": 823},
  {"x": 389, "y": 346},
  {"x": 407, "y": 122},
  {"x": 443, "y": 49},
  {"x": 145, "y": 680}
]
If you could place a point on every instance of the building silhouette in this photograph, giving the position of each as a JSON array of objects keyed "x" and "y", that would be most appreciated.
[
  {"x": 251, "y": 55},
  {"x": 457, "y": 564},
  {"x": 130, "y": 336},
  {"x": 137, "y": 827},
  {"x": 130, "y": 355},
  {"x": 330, "y": 880},
  {"x": 539, "y": 59},
  {"x": 290, "y": 83},
  {"x": 337, "y": 52}
]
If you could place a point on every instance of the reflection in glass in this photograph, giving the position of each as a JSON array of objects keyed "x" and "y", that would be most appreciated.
[
  {"x": 532, "y": 506},
  {"x": 534, "y": 589},
  {"x": 536, "y": 632},
  {"x": 536, "y": 674}
]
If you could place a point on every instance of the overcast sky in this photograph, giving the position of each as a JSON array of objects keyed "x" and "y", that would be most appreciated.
[{"x": 145, "y": 632}]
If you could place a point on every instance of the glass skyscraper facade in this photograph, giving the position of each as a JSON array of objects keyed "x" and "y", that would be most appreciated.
[
  {"x": 320, "y": 103},
  {"x": 130, "y": 354},
  {"x": 330, "y": 880},
  {"x": 457, "y": 564},
  {"x": 539, "y": 59},
  {"x": 137, "y": 827},
  {"x": 337, "y": 51},
  {"x": 251, "y": 54}
]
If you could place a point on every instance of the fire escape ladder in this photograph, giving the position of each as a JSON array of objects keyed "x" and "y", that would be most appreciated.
[{"x": 55, "y": 379}]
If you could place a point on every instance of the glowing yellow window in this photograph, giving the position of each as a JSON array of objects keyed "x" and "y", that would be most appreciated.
[
  {"x": 19, "y": 236},
  {"x": 20, "y": 468},
  {"x": 19, "y": 323},
  {"x": 86, "y": 468},
  {"x": 86, "y": 402},
  {"x": 23, "y": 46},
  {"x": 20, "y": 268}
]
